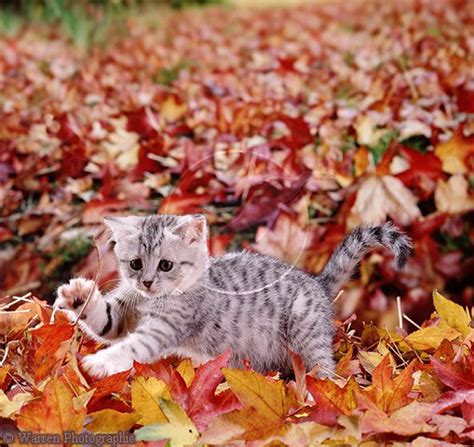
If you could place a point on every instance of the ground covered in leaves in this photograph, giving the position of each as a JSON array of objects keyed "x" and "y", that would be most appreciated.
[
  {"x": 286, "y": 127},
  {"x": 388, "y": 387}
]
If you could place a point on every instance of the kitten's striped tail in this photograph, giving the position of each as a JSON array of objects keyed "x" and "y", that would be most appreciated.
[{"x": 354, "y": 246}]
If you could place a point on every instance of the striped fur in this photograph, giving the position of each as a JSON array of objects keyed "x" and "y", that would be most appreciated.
[{"x": 255, "y": 305}]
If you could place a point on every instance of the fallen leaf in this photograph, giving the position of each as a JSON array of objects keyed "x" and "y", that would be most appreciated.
[
  {"x": 287, "y": 241},
  {"x": 452, "y": 196},
  {"x": 53, "y": 412},
  {"x": 52, "y": 342},
  {"x": 268, "y": 397},
  {"x": 111, "y": 421},
  {"x": 454, "y": 152},
  {"x": 246, "y": 424},
  {"x": 382, "y": 197},
  {"x": 406, "y": 421},
  {"x": 146, "y": 395},
  {"x": 203, "y": 403},
  {"x": 457, "y": 376},
  {"x": 331, "y": 401},
  {"x": 179, "y": 429},
  {"x": 185, "y": 368},
  {"x": 454, "y": 315},
  {"x": 430, "y": 337},
  {"x": 16, "y": 320},
  {"x": 10, "y": 407},
  {"x": 121, "y": 145},
  {"x": 171, "y": 109},
  {"x": 387, "y": 393}
]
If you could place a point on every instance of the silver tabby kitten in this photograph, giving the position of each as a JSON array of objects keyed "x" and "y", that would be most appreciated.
[{"x": 174, "y": 299}]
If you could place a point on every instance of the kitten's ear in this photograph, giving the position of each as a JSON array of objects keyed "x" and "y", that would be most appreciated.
[
  {"x": 122, "y": 225},
  {"x": 192, "y": 228}
]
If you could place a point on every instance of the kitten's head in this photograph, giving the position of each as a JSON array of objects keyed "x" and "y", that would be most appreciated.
[{"x": 160, "y": 255}]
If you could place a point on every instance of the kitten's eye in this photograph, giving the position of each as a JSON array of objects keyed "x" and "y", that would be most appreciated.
[
  {"x": 165, "y": 265},
  {"x": 136, "y": 264}
]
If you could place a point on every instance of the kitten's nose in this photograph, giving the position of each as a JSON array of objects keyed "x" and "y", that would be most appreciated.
[{"x": 147, "y": 284}]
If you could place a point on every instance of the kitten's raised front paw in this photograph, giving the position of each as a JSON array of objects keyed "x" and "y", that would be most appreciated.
[
  {"x": 101, "y": 364},
  {"x": 72, "y": 296}
]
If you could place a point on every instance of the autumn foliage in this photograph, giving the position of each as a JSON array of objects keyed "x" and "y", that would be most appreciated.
[
  {"x": 286, "y": 127},
  {"x": 387, "y": 386}
]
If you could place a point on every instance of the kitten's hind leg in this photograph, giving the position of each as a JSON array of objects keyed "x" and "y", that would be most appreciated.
[{"x": 310, "y": 332}]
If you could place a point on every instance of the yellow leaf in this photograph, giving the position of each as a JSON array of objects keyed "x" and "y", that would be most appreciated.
[
  {"x": 9, "y": 407},
  {"x": 429, "y": 387},
  {"x": 369, "y": 360},
  {"x": 268, "y": 397},
  {"x": 186, "y": 370},
  {"x": 454, "y": 315},
  {"x": 53, "y": 412},
  {"x": 112, "y": 421},
  {"x": 453, "y": 152},
  {"x": 146, "y": 393},
  {"x": 3, "y": 373},
  {"x": 452, "y": 196},
  {"x": 171, "y": 110},
  {"x": 430, "y": 337},
  {"x": 178, "y": 428},
  {"x": 82, "y": 400}
]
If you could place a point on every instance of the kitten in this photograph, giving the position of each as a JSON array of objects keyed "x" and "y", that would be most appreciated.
[{"x": 174, "y": 299}]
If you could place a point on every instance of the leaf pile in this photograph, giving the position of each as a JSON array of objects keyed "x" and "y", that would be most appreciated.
[
  {"x": 388, "y": 387},
  {"x": 286, "y": 127}
]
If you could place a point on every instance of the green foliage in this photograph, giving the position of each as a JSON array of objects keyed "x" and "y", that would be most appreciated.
[
  {"x": 451, "y": 243},
  {"x": 70, "y": 253},
  {"x": 383, "y": 144},
  {"x": 86, "y": 23},
  {"x": 76, "y": 249},
  {"x": 180, "y": 4},
  {"x": 417, "y": 142},
  {"x": 349, "y": 143},
  {"x": 166, "y": 76},
  {"x": 10, "y": 22}
]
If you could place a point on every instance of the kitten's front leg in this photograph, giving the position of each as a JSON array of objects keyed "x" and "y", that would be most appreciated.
[
  {"x": 120, "y": 356},
  {"x": 151, "y": 340},
  {"x": 97, "y": 319}
]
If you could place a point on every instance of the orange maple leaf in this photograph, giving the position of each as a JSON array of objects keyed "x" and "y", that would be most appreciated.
[
  {"x": 54, "y": 412},
  {"x": 387, "y": 393}
]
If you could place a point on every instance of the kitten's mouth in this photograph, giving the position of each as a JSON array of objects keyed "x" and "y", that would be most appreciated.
[{"x": 147, "y": 293}]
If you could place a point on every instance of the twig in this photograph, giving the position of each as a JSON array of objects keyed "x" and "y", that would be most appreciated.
[
  {"x": 23, "y": 297},
  {"x": 53, "y": 315},
  {"x": 7, "y": 348},
  {"x": 16, "y": 381},
  {"x": 22, "y": 311},
  {"x": 70, "y": 385},
  {"x": 394, "y": 347},
  {"x": 16, "y": 300},
  {"x": 400, "y": 314},
  {"x": 96, "y": 280},
  {"x": 396, "y": 352},
  {"x": 338, "y": 296},
  {"x": 414, "y": 351},
  {"x": 328, "y": 371},
  {"x": 411, "y": 321}
]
